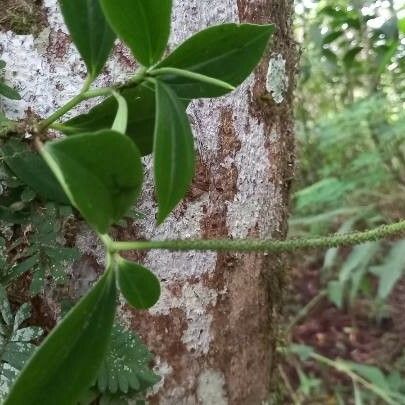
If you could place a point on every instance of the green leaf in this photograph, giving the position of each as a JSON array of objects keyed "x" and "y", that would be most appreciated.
[
  {"x": 5, "y": 309},
  {"x": 336, "y": 293},
  {"x": 401, "y": 25},
  {"x": 391, "y": 270},
  {"x": 138, "y": 285},
  {"x": 15, "y": 346},
  {"x": 101, "y": 173},
  {"x": 9, "y": 92},
  {"x": 67, "y": 362},
  {"x": 174, "y": 156},
  {"x": 38, "y": 280},
  {"x": 22, "y": 267},
  {"x": 349, "y": 58},
  {"x": 330, "y": 56},
  {"x": 90, "y": 32},
  {"x": 141, "y": 117},
  {"x": 371, "y": 373},
  {"x": 303, "y": 351},
  {"x": 332, "y": 36},
  {"x": 358, "y": 260},
  {"x": 144, "y": 25},
  {"x": 127, "y": 359},
  {"x": 227, "y": 52},
  {"x": 8, "y": 215},
  {"x": 29, "y": 167},
  {"x": 23, "y": 313}
]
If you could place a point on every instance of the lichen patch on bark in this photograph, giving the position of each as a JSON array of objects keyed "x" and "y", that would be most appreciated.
[
  {"x": 277, "y": 79},
  {"x": 210, "y": 388}
]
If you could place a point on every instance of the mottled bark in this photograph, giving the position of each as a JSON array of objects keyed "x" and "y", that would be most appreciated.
[{"x": 213, "y": 331}]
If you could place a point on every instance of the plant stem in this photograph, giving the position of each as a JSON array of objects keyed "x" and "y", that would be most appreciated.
[
  {"x": 288, "y": 386},
  {"x": 306, "y": 310},
  {"x": 193, "y": 76},
  {"x": 67, "y": 107},
  {"x": 269, "y": 246},
  {"x": 105, "y": 91},
  {"x": 108, "y": 243},
  {"x": 343, "y": 368},
  {"x": 86, "y": 94}
]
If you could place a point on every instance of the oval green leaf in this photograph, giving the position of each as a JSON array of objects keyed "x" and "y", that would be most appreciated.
[
  {"x": 141, "y": 117},
  {"x": 9, "y": 92},
  {"x": 29, "y": 167},
  {"x": 100, "y": 172},
  {"x": 174, "y": 155},
  {"x": 227, "y": 52},
  {"x": 144, "y": 25},
  {"x": 90, "y": 32},
  {"x": 139, "y": 286},
  {"x": 68, "y": 361}
]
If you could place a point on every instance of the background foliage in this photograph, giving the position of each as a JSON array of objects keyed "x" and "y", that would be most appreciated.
[{"x": 351, "y": 176}]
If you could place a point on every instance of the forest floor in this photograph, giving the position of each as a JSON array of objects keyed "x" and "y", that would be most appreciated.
[{"x": 353, "y": 334}]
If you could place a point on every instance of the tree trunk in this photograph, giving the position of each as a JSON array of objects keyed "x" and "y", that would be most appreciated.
[{"x": 214, "y": 330}]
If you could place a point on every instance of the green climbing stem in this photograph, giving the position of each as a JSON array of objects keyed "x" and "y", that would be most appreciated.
[
  {"x": 269, "y": 246},
  {"x": 86, "y": 94}
]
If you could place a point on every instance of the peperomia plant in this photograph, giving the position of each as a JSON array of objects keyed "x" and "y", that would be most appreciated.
[
  {"x": 98, "y": 163},
  {"x": 97, "y": 168}
]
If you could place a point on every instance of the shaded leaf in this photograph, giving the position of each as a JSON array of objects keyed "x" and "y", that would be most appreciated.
[
  {"x": 90, "y": 32},
  {"x": 72, "y": 352},
  {"x": 8, "y": 92},
  {"x": 359, "y": 259},
  {"x": 335, "y": 293},
  {"x": 99, "y": 185},
  {"x": 138, "y": 285},
  {"x": 391, "y": 270},
  {"x": 141, "y": 117},
  {"x": 303, "y": 351},
  {"x": 144, "y": 25},
  {"x": 350, "y": 56},
  {"x": 28, "y": 166},
  {"x": 22, "y": 267},
  {"x": 128, "y": 362},
  {"x": 5, "y": 309},
  {"x": 371, "y": 373},
  {"x": 327, "y": 39},
  {"x": 173, "y": 138},
  {"x": 23, "y": 313},
  {"x": 330, "y": 56},
  {"x": 227, "y": 52}
]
